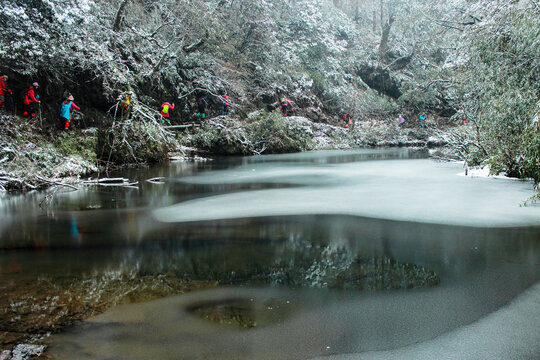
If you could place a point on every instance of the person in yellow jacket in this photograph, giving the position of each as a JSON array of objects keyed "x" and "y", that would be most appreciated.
[
  {"x": 165, "y": 112},
  {"x": 125, "y": 104}
]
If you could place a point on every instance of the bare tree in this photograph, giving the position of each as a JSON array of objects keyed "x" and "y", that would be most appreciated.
[
  {"x": 383, "y": 46},
  {"x": 120, "y": 15}
]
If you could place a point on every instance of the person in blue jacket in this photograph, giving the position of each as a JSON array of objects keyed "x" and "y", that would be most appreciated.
[
  {"x": 65, "y": 110},
  {"x": 422, "y": 118}
]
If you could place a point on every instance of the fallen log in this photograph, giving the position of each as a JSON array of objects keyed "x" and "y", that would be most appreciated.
[
  {"x": 107, "y": 181},
  {"x": 111, "y": 182},
  {"x": 156, "y": 180},
  {"x": 173, "y": 127}
]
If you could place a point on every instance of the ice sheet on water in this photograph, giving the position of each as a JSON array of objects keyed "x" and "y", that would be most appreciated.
[
  {"x": 407, "y": 190},
  {"x": 407, "y": 325},
  {"x": 509, "y": 333}
]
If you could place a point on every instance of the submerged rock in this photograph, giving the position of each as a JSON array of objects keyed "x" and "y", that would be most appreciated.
[{"x": 243, "y": 312}]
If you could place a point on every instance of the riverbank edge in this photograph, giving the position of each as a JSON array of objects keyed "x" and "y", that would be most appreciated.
[
  {"x": 31, "y": 159},
  {"x": 34, "y": 310}
]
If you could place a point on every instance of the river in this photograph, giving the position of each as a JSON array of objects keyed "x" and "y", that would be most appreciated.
[{"x": 368, "y": 254}]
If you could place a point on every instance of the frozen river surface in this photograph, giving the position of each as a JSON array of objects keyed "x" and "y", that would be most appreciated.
[
  {"x": 338, "y": 255},
  {"x": 418, "y": 190}
]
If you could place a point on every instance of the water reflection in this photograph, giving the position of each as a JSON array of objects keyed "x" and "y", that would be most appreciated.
[
  {"x": 340, "y": 157},
  {"x": 301, "y": 254}
]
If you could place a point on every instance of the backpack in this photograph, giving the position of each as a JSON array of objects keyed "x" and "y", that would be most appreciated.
[
  {"x": 3, "y": 87},
  {"x": 65, "y": 109},
  {"x": 26, "y": 98},
  {"x": 165, "y": 109}
]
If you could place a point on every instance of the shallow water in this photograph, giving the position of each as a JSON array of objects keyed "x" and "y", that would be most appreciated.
[{"x": 323, "y": 253}]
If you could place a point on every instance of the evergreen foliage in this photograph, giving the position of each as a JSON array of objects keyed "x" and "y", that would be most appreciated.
[
  {"x": 504, "y": 98},
  {"x": 268, "y": 133},
  {"x": 279, "y": 134},
  {"x": 134, "y": 141}
]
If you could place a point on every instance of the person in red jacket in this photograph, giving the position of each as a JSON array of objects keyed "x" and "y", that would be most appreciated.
[
  {"x": 347, "y": 120},
  {"x": 30, "y": 101},
  {"x": 225, "y": 104},
  {"x": 286, "y": 107},
  {"x": 165, "y": 112},
  {"x": 4, "y": 91}
]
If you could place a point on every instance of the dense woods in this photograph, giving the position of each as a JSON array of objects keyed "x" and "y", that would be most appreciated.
[{"x": 472, "y": 62}]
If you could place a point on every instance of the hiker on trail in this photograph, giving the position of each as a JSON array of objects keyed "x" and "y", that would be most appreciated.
[
  {"x": 225, "y": 104},
  {"x": 401, "y": 120},
  {"x": 165, "y": 112},
  {"x": 201, "y": 104},
  {"x": 422, "y": 119},
  {"x": 65, "y": 110},
  {"x": 125, "y": 104},
  {"x": 347, "y": 120},
  {"x": 5, "y": 92},
  {"x": 286, "y": 107},
  {"x": 30, "y": 101}
]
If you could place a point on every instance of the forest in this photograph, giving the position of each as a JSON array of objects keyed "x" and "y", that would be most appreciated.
[{"x": 472, "y": 66}]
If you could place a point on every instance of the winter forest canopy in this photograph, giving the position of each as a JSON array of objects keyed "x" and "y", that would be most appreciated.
[{"x": 460, "y": 59}]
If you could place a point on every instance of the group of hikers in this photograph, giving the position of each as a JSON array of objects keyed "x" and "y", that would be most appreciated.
[
  {"x": 166, "y": 107},
  {"x": 31, "y": 98},
  {"x": 125, "y": 102},
  {"x": 32, "y": 106},
  {"x": 421, "y": 120},
  {"x": 285, "y": 107},
  {"x": 32, "y": 103}
]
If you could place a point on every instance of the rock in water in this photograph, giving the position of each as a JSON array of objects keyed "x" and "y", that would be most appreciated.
[{"x": 25, "y": 351}]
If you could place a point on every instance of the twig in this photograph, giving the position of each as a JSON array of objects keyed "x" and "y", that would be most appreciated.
[
  {"x": 55, "y": 182},
  {"x": 156, "y": 180}
]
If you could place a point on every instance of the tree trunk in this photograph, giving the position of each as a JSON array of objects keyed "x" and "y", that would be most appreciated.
[
  {"x": 383, "y": 46},
  {"x": 381, "y": 8},
  {"x": 120, "y": 15}
]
